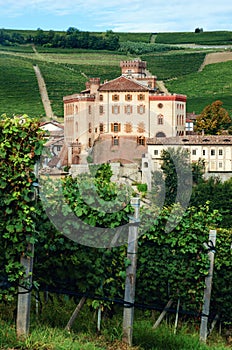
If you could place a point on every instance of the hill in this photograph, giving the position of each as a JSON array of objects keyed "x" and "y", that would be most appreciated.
[{"x": 169, "y": 56}]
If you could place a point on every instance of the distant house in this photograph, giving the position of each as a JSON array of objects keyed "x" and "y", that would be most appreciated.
[
  {"x": 55, "y": 143},
  {"x": 215, "y": 150},
  {"x": 112, "y": 121}
]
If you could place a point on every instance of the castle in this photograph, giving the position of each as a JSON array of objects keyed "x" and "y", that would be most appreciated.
[{"x": 112, "y": 121}]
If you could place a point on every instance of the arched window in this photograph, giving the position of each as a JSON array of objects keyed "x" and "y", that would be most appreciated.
[{"x": 160, "y": 134}]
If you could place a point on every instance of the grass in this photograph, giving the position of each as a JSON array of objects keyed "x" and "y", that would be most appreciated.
[{"x": 47, "y": 331}]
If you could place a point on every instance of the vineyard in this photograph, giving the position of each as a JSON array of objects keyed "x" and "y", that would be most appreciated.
[
  {"x": 65, "y": 70},
  {"x": 172, "y": 264},
  {"x": 62, "y": 266}
]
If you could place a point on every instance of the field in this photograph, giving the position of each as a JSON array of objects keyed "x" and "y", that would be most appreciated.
[{"x": 65, "y": 71}]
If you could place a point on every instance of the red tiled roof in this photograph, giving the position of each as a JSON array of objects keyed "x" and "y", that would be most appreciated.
[{"x": 123, "y": 84}]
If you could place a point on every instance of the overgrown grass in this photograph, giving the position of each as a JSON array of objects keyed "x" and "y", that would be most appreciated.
[{"x": 47, "y": 331}]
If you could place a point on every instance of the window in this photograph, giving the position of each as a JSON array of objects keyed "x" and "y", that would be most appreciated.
[
  {"x": 145, "y": 164},
  {"x": 160, "y": 134},
  {"x": 115, "y": 141},
  {"x": 212, "y": 152},
  {"x": 128, "y": 127},
  {"x": 115, "y": 127},
  {"x": 220, "y": 164},
  {"x": 194, "y": 152},
  {"x": 203, "y": 152},
  {"x": 220, "y": 152},
  {"x": 90, "y": 127},
  {"x": 115, "y": 109},
  {"x": 141, "y": 140},
  {"x": 115, "y": 97},
  {"x": 156, "y": 152},
  {"x": 141, "y": 109},
  {"x": 101, "y": 127},
  {"x": 160, "y": 105},
  {"x": 76, "y": 109},
  {"x": 90, "y": 142},
  {"x": 128, "y": 97},
  {"x": 101, "y": 109},
  {"x": 58, "y": 148},
  {"x": 69, "y": 109},
  {"x": 89, "y": 109},
  {"x": 128, "y": 109},
  {"x": 160, "y": 119},
  {"x": 101, "y": 97},
  {"x": 141, "y": 97}
]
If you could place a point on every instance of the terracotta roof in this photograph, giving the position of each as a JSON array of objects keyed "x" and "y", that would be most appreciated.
[{"x": 123, "y": 84}]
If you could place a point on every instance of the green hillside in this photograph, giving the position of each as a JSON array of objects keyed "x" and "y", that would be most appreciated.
[
  {"x": 202, "y": 88},
  {"x": 65, "y": 71}
]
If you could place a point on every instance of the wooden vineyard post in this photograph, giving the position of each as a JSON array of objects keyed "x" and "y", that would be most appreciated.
[
  {"x": 208, "y": 287},
  {"x": 24, "y": 296},
  {"x": 129, "y": 295}
]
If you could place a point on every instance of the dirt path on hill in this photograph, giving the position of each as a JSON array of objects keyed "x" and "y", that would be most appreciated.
[
  {"x": 162, "y": 87},
  {"x": 43, "y": 93},
  {"x": 216, "y": 57}
]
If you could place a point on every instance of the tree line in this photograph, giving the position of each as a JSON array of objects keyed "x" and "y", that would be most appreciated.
[{"x": 72, "y": 38}]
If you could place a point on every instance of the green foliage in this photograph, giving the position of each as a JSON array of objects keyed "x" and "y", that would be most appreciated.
[
  {"x": 140, "y": 48},
  {"x": 72, "y": 38},
  {"x": 218, "y": 194},
  {"x": 205, "y": 87},
  {"x": 175, "y": 259},
  {"x": 173, "y": 64},
  {"x": 21, "y": 143},
  {"x": 198, "y": 169},
  {"x": 176, "y": 170},
  {"x": 221, "y": 301},
  {"x": 214, "y": 119},
  {"x": 136, "y": 37},
  {"x": 19, "y": 92},
  {"x": 203, "y": 38}
]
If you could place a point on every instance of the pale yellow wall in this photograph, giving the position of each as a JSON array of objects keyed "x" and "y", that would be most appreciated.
[{"x": 219, "y": 163}]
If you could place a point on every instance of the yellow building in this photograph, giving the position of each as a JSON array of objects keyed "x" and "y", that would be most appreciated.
[{"x": 111, "y": 121}]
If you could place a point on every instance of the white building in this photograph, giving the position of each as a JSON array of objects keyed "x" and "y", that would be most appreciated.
[
  {"x": 114, "y": 119},
  {"x": 215, "y": 150}
]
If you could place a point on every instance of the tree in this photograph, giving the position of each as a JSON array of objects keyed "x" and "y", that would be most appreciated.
[
  {"x": 219, "y": 196},
  {"x": 214, "y": 119},
  {"x": 177, "y": 174}
]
